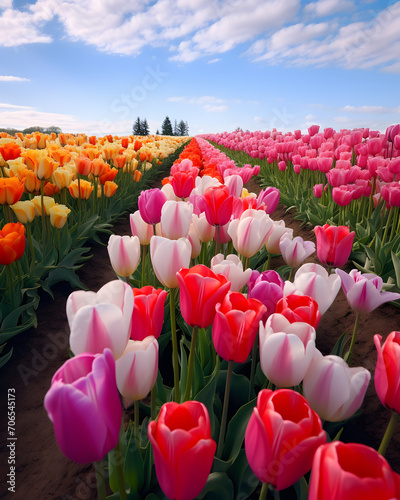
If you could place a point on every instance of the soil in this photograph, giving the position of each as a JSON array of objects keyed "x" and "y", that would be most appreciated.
[{"x": 43, "y": 472}]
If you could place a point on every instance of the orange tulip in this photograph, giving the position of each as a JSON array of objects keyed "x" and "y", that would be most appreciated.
[
  {"x": 85, "y": 189},
  {"x": 62, "y": 178},
  {"x": 11, "y": 190},
  {"x": 109, "y": 138},
  {"x": 48, "y": 202},
  {"x": 124, "y": 142},
  {"x": 92, "y": 139},
  {"x": 32, "y": 183},
  {"x": 91, "y": 153},
  {"x": 12, "y": 243},
  {"x": 110, "y": 188},
  {"x": 63, "y": 139},
  {"x": 119, "y": 161},
  {"x": 99, "y": 166},
  {"x": 143, "y": 156},
  {"x": 83, "y": 165},
  {"x": 109, "y": 174},
  {"x": 50, "y": 189},
  {"x": 46, "y": 168},
  {"x": 58, "y": 215},
  {"x": 10, "y": 151},
  {"x": 61, "y": 156},
  {"x": 137, "y": 145},
  {"x": 41, "y": 140},
  {"x": 137, "y": 175}
]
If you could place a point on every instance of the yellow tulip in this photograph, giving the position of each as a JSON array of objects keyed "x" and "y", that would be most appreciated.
[
  {"x": 24, "y": 211},
  {"x": 58, "y": 215},
  {"x": 48, "y": 202}
]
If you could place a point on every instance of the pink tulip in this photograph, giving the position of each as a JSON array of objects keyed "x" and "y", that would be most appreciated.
[
  {"x": 100, "y": 320},
  {"x": 295, "y": 251},
  {"x": 352, "y": 471},
  {"x": 317, "y": 189},
  {"x": 282, "y": 436},
  {"x": 249, "y": 233},
  {"x": 218, "y": 203},
  {"x": 150, "y": 203},
  {"x": 342, "y": 196},
  {"x": 277, "y": 231},
  {"x": 235, "y": 185},
  {"x": 182, "y": 183},
  {"x": 137, "y": 368},
  {"x": 268, "y": 199},
  {"x": 148, "y": 312},
  {"x": 124, "y": 253},
  {"x": 333, "y": 389},
  {"x": 168, "y": 257},
  {"x": 140, "y": 228},
  {"x": 334, "y": 244},
  {"x": 266, "y": 287},
  {"x": 387, "y": 372},
  {"x": 204, "y": 230},
  {"x": 84, "y": 406},
  {"x": 175, "y": 219},
  {"x": 286, "y": 350},
  {"x": 364, "y": 290},
  {"x": 231, "y": 267}
]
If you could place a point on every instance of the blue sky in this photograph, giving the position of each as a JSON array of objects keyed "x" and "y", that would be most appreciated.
[{"x": 95, "y": 66}]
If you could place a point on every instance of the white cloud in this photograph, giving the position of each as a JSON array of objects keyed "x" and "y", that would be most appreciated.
[
  {"x": 13, "y": 79},
  {"x": 310, "y": 117},
  {"x": 208, "y": 103},
  {"x": 370, "y": 109},
  {"x": 360, "y": 45},
  {"x": 213, "y": 61},
  {"x": 4, "y": 105},
  {"x": 297, "y": 34},
  {"x": 212, "y": 108},
  {"x": 324, "y": 8},
  {"x": 5, "y": 4}
]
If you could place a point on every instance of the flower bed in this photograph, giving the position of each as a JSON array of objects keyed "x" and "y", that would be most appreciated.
[{"x": 214, "y": 379}]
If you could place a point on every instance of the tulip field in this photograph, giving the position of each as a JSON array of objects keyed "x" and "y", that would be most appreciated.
[{"x": 240, "y": 338}]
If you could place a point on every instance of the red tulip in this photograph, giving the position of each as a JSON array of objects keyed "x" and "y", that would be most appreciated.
[
  {"x": 334, "y": 244},
  {"x": 235, "y": 326},
  {"x": 387, "y": 373},
  {"x": 182, "y": 183},
  {"x": 218, "y": 205},
  {"x": 299, "y": 308},
  {"x": 200, "y": 291},
  {"x": 148, "y": 312},
  {"x": 183, "y": 448},
  {"x": 282, "y": 436},
  {"x": 352, "y": 471},
  {"x": 10, "y": 151}
]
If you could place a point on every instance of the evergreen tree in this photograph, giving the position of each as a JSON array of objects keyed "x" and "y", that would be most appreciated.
[
  {"x": 186, "y": 128},
  {"x": 157, "y": 132},
  {"x": 166, "y": 127},
  {"x": 181, "y": 129},
  {"x": 176, "y": 130},
  {"x": 137, "y": 127},
  {"x": 145, "y": 127}
]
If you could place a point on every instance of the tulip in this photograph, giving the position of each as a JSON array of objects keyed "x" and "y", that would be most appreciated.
[
  {"x": 299, "y": 308},
  {"x": 235, "y": 326},
  {"x": 168, "y": 257},
  {"x": 10, "y": 151},
  {"x": 140, "y": 228},
  {"x": 268, "y": 199},
  {"x": 137, "y": 368},
  {"x": 342, "y": 196},
  {"x": 200, "y": 291},
  {"x": 124, "y": 253},
  {"x": 282, "y": 436},
  {"x": 266, "y": 287},
  {"x": 182, "y": 183},
  {"x": 24, "y": 211},
  {"x": 250, "y": 232},
  {"x": 235, "y": 185},
  {"x": 150, "y": 203},
  {"x": 334, "y": 390},
  {"x": 58, "y": 215},
  {"x": 387, "y": 372},
  {"x": 364, "y": 290},
  {"x": 82, "y": 189},
  {"x": 109, "y": 188},
  {"x": 286, "y": 350},
  {"x": 102, "y": 319},
  {"x": 12, "y": 242},
  {"x": 83, "y": 165},
  {"x": 45, "y": 168},
  {"x": 232, "y": 269},
  {"x": 313, "y": 280},
  {"x": 295, "y": 251},
  {"x": 11, "y": 190},
  {"x": 84, "y": 406},
  {"x": 48, "y": 202},
  {"x": 352, "y": 471},
  {"x": 334, "y": 244},
  {"x": 175, "y": 219},
  {"x": 183, "y": 448},
  {"x": 218, "y": 205},
  {"x": 148, "y": 312},
  {"x": 277, "y": 231},
  {"x": 31, "y": 182}
]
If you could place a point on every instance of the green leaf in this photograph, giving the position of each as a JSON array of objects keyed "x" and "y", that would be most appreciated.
[
  {"x": 133, "y": 464},
  {"x": 396, "y": 266},
  {"x": 217, "y": 487},
  {"x": 4, "y": 359},
  {"x": 338, "y": 348},
  {"x": 206, "y": 395}
]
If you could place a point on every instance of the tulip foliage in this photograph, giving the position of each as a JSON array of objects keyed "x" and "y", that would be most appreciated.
[
  {"x": 58, "y": 194},
  {"x": 215, "y": 355}
]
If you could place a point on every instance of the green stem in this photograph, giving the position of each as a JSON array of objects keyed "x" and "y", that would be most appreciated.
[
  {"x": 136, "y": 421},
  {"x": 100, "y": 480},
  {"x": 353, "y": 339},
  {"x": 253, "y": 366},
  {"x": 395, "y": 222},
  {"x": 119, "y": 465},
  {"x": 8, "y": 215},
  {"x": 175, "y": 359},
  {"x": 264, "y": 491},
  {"x": 371, "y": 198},
  {"x": 43, "y": 214},
  {"x": 225, "y": 410},
  {"x": 144, "y": 254},
  {"x": 246, "y": 263},
  {"x": 217, "y": 242},
  {"x": 387, "y": 225},
  {"x": 31, "y": 247},
  {"x": 153, "y": 402},
  {"x": 267, "y": 262},
  {"x": 191, "y": 363},
  {"x": 395, "y": 417}
]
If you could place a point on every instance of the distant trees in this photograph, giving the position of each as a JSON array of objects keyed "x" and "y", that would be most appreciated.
[
  {"x": 141, "y": 127},
  {"x": 30, "y": 130}
]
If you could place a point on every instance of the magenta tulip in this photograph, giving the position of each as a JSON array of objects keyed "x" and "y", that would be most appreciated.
[
  {"x": 334, "y": 244},
  {"x": 150, "y": 203},
  {"x": 84, "y": 406},
  {"x": 387, "y": 372}
]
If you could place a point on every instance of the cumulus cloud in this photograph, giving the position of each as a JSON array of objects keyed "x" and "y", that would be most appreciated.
[
  {"x": 324, "y": 8},
  {"x": 13, "y": 79}
]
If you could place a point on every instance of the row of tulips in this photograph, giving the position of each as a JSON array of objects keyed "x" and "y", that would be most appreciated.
[
  {"x": 247, "y": 392},
  {"x": 347, "y": 178},
  {"x": 56, "y": 193}
]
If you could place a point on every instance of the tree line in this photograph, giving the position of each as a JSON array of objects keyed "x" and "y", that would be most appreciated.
[{"x": 141, "y": 127}]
